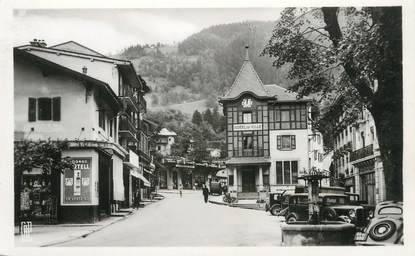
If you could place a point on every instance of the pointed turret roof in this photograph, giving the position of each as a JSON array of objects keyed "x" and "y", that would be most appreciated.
[{"x": 247, "y": 80}]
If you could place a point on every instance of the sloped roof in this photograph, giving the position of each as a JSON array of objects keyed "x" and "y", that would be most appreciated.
[
  {"x": 76, "y": 47},
  {"x": 108, "y": 93},
  {"x": 280, "y": 93},
  {"x": 247, "y": 80},
  {"x": 166, "y": 132}
]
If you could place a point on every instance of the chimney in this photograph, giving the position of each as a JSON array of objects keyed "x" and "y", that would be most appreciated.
[
  {"x": 42, "y": 43},
  {"x": 84, "y": 70},
  {"x": 246, "y": 53},
  {"x": 38, "y": 43}
]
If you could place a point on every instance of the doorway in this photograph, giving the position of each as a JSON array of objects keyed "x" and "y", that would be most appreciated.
[
  {"x": 368, "y": 188},
  {"x": 248, "y": 181}
]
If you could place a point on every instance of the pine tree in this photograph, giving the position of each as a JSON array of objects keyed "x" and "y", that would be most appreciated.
[
  {"x": 197, "y": 118},
  {"x": 207, "y": 116}
]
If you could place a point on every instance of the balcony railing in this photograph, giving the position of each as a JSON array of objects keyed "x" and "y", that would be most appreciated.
[
  {"x": 127, "y": 126},
  {"x": 258, "y": 152},
  {"x": 362, "y": 153}
]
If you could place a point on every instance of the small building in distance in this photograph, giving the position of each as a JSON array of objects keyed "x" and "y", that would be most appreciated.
[{"x": 164, "y": 140}]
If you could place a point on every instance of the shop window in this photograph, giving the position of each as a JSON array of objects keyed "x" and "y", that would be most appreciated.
[
  {"x": 279, "y": 173},
  {"x": 287, "y": 172},
  {"x": 247, "y": 117},
  {"x": 286, "y": 142},
  {"x": 44, "y": 109}
]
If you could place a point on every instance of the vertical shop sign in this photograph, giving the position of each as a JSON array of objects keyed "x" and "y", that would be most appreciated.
[{"x": 76, "y": 183}]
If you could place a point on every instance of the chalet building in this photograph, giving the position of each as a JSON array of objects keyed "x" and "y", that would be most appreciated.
[
  {"x": 357, "y": 161},
  {"x": 58, "y": 86},
  {"x": 164, "y": 140},
  {"x": 267, "y": 134}
]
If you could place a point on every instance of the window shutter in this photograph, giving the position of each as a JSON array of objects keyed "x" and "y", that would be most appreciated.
[
  {"x": 278, "y": 142},
  {"x": 292, "y": 141},
  {"x": 32, "y": 109},
  {"x": 56, "y": 108}
]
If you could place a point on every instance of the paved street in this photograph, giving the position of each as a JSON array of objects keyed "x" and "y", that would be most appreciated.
[{"x": 188, "y": 221}]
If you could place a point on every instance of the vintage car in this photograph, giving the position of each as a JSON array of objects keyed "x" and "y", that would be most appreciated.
[
  {"x": 386, "y": 226},
  {"x": 273, "y": 204},
  {"x": 332, "y": 207},
  {"x": 215, "y": 188}
]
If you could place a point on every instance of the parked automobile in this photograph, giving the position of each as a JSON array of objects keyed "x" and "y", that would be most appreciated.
[
  {"x": 367, "y": 208},
  {"x": 386, "y": 226},
  {"x": 332, "y": 207},
  {"x": 215, "y": 188},
  {"x": 273, "y": 204}
]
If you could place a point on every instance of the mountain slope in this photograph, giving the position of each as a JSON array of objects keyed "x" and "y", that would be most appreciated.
[{"x": 204, "y": 65}]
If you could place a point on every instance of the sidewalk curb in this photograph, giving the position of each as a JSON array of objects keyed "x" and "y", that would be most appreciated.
[
  {"x": 219, "y": 203},
  {"x": 95, "y": 230},
  {"x": 88, "y": 232},
  {"x": 235, "y": 205}
]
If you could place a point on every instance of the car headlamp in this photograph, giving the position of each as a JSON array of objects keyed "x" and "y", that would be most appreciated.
[
  {"x": 371, "y": 214},
  {"x": 352, "y": 213}
]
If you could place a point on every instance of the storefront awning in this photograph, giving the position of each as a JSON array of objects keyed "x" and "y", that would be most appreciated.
[{"x": 138, "y": 175}]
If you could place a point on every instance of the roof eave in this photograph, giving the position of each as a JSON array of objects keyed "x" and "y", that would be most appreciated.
[{"x": 78, "y": 75}]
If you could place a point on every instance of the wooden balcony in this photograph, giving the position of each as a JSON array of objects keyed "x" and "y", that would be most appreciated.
[{"x": 127, "y": 128}]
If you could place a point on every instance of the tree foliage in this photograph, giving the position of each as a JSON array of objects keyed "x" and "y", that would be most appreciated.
[
  {"x": 46, "y": 155},
  {"x": 336, "y": 55}
]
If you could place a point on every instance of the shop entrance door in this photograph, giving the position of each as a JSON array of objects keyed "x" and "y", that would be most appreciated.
[
  {"x": 368, "y": 188},
  {"x": 187, "y": 179},
  {"x": 248, "y": 181},
  {"x": 104, "y": 188}
]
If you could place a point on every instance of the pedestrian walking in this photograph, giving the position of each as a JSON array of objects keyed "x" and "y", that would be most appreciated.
[
  {"x": 181, "y": 189},
  {"x": 205, "y": 191},
  {"x": 137, "y": 199}
]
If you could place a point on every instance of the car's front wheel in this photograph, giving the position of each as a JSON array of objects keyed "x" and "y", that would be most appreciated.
[{"x": 291, "y": 218}]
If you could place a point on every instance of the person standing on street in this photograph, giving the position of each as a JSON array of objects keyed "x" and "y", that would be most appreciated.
[
  {"x": 137, "y": 199},
  {"x": 181, "y": 189},
  {"x": 205, "y": 191}
]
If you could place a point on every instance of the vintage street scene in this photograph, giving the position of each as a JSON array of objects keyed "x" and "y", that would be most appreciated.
[{"x": 208, "y": 127}]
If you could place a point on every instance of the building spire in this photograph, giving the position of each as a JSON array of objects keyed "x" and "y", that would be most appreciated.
[{"x": 246, "y": 53}]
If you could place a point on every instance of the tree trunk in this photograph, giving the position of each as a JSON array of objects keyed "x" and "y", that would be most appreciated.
[
  {"x": 387, "y": 109},
  {"x": 389, "y": 134}
]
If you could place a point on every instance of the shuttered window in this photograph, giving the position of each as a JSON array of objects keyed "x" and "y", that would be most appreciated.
[
  {"x": 286, "y": 142},
  {"x": 32, "y": 109},
  {"x": 56, "y": 109}
]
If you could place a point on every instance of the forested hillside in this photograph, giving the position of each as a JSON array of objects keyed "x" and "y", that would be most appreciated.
[{"x": 203, "y": 66}]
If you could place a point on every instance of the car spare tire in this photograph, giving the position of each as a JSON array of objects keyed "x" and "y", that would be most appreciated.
[{"x": 382, "y": 230}]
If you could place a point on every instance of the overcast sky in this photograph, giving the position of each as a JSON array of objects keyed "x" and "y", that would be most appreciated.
[{"x": 109, "y": 31}]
